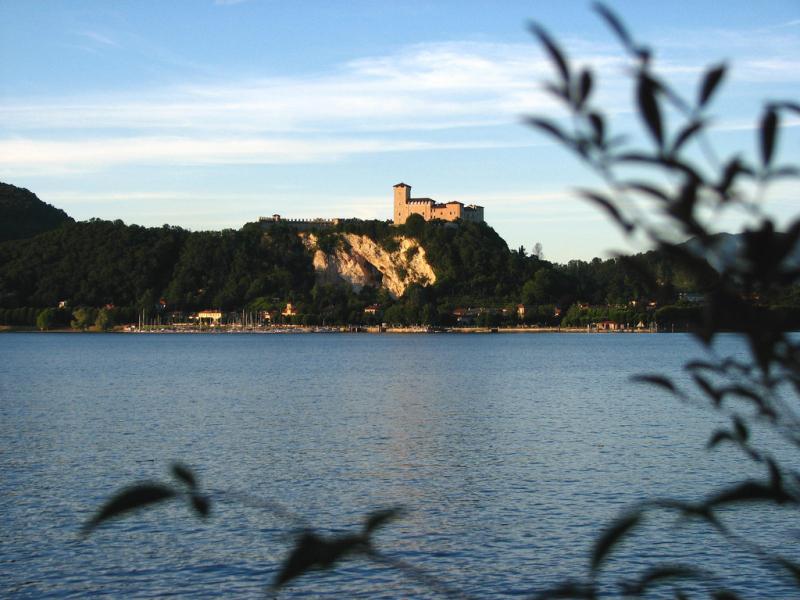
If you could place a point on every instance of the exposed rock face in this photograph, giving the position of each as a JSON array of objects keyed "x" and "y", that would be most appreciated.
[{"x": 359, "y": 261}]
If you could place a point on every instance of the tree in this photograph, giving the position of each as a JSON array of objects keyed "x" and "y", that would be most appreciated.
[
  {"x": 46, "y": 319},
  {"x": 105, "y": 320},
  {"x": 82, "y": 318}
]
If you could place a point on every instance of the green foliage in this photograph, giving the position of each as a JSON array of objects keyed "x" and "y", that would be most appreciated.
[
  {"x": 89, "y": 263},
  {"x": 23, "y": 215},
  {"x": 689, "y": 196},
  {"x": 96, "y": 263},
  {"x": 229, "y": 269},
  {"x": 104, "y": 320},
  {"x": 83, "y": 317},
  {"x": 46, "y": 319}
]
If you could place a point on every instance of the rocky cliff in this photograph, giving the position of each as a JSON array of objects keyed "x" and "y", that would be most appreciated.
[{"x": 360, "y": 261}]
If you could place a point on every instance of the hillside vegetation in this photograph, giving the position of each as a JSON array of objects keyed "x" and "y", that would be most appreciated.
[
  {"x": 23, "y": 215},
  {"x": 167, "y": 269}
]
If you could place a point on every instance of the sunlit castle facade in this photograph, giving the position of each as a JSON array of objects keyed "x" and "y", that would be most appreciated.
[{"x": 405, "y": 206}]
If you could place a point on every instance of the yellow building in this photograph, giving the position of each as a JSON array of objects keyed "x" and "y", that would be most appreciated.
[
  {"x": 211, "y": 317},
  {"x": 428, "y": 209}
]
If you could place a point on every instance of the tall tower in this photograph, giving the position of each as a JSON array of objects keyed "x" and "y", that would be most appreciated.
[{"x": 402, "y": 194}]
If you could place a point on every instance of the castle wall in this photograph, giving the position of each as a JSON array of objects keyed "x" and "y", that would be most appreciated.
[{"x": 405, "y": 206}]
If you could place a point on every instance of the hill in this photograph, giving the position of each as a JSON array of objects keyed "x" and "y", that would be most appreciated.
[
  {"x": 23, "y": 215},
  {"x": 429, "y": 272}
]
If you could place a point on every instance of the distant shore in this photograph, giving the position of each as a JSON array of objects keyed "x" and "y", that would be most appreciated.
[{"x": 299, "y": 329}]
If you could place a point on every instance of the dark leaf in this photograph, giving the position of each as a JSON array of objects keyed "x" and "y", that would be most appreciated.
[
  {"x": 648, "y": 108},
  {"x": 559, "y": 91},
  {"x": 201, "y": 505},
  {"x": 711, "y": 80},
  {"x": 617, "y": 27},
  {"x": 708, "y": 389},
  {"x": 183, "y": 473},
  {"x": 648, "y": 189},
  {"x": 698, "y": 365},
  {"x": 598, "y": 126},
  {"x": 748, "y": 394},
  {"x": 792, "y": 567},
  {"x": 554, "y": 51},
  {"x": 567, "y": 590},
  {"x": 612, "y": 536},
  {"x": 749, "y": 491},
  {"x": 720, "y": 435},
  {"x": 379, "y": 518},
  {"x": 657, "y": 575},
  {"x": 313, "y": 552},
  {"x": 660, "y": 162},
  {"x": 584, "y": 88},
  {"x": 733, "y": 169},
  {"x": 687, "y": 509},
  {"x": 724, "y": 595},
  {"x": 609, "y": 207},
  {"x": 551, "y": 128},
  {"x": 775, "y": 475},
  {"x": 686, "y": 134},
  {"x": 658, "y": 380},
  {"x": 793, "y": 106},
  {"x": 128, "y": 499},
  {"x": 769, "y": 130},
  {"x": 741, "y": 429}
]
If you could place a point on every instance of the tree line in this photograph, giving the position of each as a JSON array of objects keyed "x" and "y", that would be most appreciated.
[{"x": 127, "y": 269}]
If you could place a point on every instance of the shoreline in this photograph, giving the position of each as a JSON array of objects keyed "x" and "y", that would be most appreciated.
[{"x": 298, "y": 329}]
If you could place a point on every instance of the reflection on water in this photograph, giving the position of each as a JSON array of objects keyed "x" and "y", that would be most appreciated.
[{"x": 509, "y": 451}]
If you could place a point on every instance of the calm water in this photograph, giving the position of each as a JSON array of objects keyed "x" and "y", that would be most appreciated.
[{"x": 508, "y": 451}]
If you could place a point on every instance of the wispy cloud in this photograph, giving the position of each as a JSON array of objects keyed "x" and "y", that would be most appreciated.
[
  {"x": 423, "y": 97},
  {"x": 85, "y": 155},
  {"x": 98, "y": 38}
]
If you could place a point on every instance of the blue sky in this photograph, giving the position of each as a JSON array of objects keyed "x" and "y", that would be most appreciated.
[{"x": 207, "y": 114}]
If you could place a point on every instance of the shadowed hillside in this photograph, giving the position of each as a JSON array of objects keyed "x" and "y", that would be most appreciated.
[{"x": 23, "y": 215}]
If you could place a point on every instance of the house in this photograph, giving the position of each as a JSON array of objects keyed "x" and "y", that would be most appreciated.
[
  {"x": 372, "y": 309},
  {"x": 428, "y": 209},
  {"x": 290, "y": 310},
  {"x": 209, "y": 317}
]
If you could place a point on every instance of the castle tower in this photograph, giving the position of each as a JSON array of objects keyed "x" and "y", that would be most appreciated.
[{"x": 402, "y": 194}]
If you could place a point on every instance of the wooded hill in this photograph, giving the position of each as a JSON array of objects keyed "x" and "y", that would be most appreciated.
[{"x": 97, "y": 263}]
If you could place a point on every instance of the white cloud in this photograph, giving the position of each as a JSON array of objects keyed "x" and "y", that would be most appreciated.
[
  {"x": 41, "y": 156},
  {"x": 447, "y": 89},
  {"x": 98, "y": 38}
]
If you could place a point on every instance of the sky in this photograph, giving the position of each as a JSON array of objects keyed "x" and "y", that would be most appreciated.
[{"x": 210, "y": 113}]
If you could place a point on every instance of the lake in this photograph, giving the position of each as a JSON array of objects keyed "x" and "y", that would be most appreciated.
[{"x": 509, "y": 453}]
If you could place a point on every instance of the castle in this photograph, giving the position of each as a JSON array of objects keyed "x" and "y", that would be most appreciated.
[{"x": 405, "y": 206}]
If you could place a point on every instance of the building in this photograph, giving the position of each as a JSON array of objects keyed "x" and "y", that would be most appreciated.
[
  {"x": 290, "y": 310},
  {"x": 299, "y": 224},
  {"x": 405, "y": 206},
  {"x": 209, "y": 317}
]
